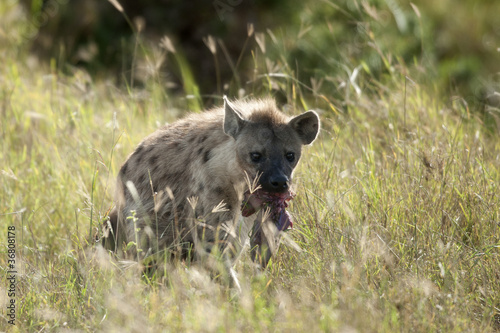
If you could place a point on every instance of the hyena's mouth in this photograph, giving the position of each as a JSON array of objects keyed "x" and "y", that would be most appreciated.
[{"x": 275, "y": 202}]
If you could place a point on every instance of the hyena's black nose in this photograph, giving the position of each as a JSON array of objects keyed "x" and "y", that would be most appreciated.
[{"x": 279, "y": 183}]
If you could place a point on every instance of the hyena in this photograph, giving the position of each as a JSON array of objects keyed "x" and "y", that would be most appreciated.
[{"x": 205, "y": 180}]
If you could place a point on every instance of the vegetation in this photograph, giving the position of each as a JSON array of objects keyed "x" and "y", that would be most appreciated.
[{"x": 397, "y": 223}]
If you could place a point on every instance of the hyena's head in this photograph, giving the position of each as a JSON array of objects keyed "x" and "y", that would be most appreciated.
[{"x": 268, "y": 143}]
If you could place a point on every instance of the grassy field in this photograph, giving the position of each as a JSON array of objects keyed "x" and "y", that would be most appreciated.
[{"x": 397, "y": 222}]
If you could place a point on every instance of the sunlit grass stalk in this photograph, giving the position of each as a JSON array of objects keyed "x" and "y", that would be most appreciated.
[{"x": 91, "y": 219}]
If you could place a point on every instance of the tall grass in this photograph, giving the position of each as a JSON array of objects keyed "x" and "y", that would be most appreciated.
[{"x": 396, "y": 217}]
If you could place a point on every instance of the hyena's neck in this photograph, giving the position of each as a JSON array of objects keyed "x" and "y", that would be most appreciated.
[{"x": 225, "y": 170}]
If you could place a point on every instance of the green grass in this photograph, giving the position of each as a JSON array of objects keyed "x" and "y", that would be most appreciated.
[{"x": 397, "y": 213}]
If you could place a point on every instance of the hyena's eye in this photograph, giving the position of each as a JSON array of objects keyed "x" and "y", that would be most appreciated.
[
  {"x": 255, "y": 157},
  {"x": 290, "y": 157}
]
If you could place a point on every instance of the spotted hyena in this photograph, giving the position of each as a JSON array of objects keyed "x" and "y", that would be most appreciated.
[{"x": 213, "y": 178}]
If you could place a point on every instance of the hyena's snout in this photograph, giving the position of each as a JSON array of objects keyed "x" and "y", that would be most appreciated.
[
  {"x": 276, "y": 182},
  {"x": 279, "y": 183}
]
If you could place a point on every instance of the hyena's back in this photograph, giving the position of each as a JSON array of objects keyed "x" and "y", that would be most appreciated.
[{"x": 190, "y": 158}]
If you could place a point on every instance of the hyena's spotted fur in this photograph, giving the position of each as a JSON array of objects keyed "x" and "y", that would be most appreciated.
[{"x": 180, "y": 173}]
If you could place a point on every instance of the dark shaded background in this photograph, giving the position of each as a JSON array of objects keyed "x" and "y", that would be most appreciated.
[{"x": 457, "y": 44}]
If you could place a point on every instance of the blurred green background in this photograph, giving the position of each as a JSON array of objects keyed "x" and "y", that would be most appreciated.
[{"x": 452, "y": 45}]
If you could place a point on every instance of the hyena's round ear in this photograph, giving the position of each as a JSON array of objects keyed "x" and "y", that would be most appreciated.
[
  {"x": 233, "y": 121},
  {"x": 307, "y": 126}
]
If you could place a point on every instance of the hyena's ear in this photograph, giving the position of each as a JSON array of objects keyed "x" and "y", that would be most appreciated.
[
  {"x": 307, "y": 126},
  {"x": 233, "y": 121}
]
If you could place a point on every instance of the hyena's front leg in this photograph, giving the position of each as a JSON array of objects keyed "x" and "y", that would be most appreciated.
[
  {"x": 258, "y": 233},
  {"x": 264, "y": 241}
]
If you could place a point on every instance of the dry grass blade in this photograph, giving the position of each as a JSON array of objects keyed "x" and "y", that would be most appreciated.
[
  {"x": 250, "y": 29},
  {"x": 117, "y": 5},
  {"x": 253, "y": 185},
  {"x": 260, "y": 38},
  {"x": 166, "y": 43},
  {"x": 211, "y": 44},
  {"x": 193, "y": 202},
  {"x": 221, "y": 207}
]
